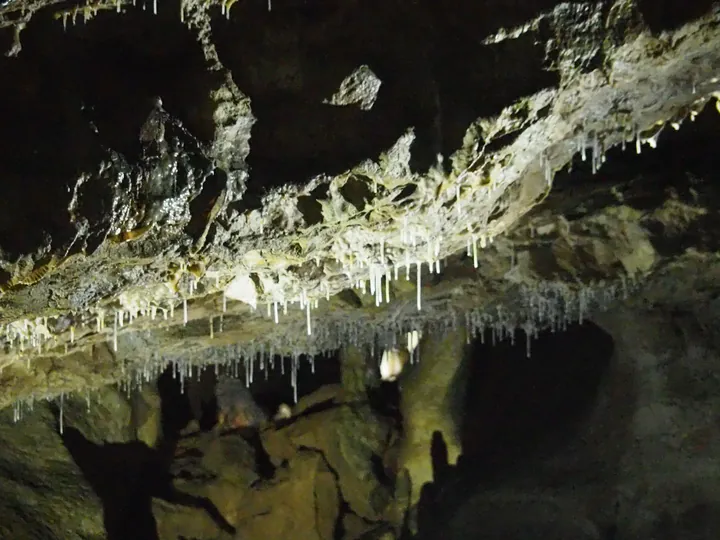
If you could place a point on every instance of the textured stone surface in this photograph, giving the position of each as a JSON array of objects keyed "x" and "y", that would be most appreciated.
[
  {"x": 266, "y": 160},
  {"x": 322, "y": 474},
  {"x": 44, "y": 494},
  {"x": 349, "y": 435},
  {"x": 172, "y": 175},
  {"x": 431, "y": 396}
]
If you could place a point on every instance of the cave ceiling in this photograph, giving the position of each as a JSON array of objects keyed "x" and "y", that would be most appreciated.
[{"x": 203, "y": 181}]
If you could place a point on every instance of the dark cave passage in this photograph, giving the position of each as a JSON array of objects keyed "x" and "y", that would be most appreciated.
[
  {"x": 195, "y": 399},
  {"x": 682, "y": 166},
  {"x": 59, "y": 122},
  {"x": 431, "y": 64},
  {"x": 517, "y": 411},
  {"x": 682, "y": 160},
  {"x": 518, "y": 408}
]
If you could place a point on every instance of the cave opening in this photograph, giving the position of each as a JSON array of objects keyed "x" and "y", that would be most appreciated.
[{"x": 519, "y": 408}]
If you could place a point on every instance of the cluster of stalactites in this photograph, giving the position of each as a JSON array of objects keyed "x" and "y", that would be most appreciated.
[
  {"x": 551, "y": 306},
  {"x": 90, "y": 10}
]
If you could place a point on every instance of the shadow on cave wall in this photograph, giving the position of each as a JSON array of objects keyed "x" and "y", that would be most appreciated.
[
  {"x": 517, "y": 410},
  {"x": 127, "y": 476}
]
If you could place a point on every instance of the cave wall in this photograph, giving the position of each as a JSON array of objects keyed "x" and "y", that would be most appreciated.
[
  {"x": 65, "y": 467},
  {"x": 636, "y": 457},
  {"x": 608, "y": 428},
  {"x": 667, "y": 473}
]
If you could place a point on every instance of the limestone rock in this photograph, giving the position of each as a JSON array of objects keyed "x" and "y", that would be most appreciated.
[
  {"x": 146, "y": 416},
  {"x": 430, "y": 394},
  {"x": 222, "y": 495},
  {"x": 301, "y": 501},
  {"x": 155, "y": 198},
  {"x": 43, "y": 493},
  {"x": 102, "y": 416},
  {"x": 349, "y": 436},
  {"x": 211, "y": 475},
  {"x": 354, "y": 368}
]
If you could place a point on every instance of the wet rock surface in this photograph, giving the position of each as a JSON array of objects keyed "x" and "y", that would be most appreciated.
[{"x": 44, "y": 494}]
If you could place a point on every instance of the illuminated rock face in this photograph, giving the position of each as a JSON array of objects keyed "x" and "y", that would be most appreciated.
[
  {"x": 430, "y": 395},
  {"x": 232, "y": 181}
]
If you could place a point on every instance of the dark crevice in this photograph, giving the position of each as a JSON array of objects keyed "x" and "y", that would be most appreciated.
[
  {"x": 338, "y": 528},
  {"x": 683, "y": 162},
  {"x": 175, "y": 410},
  {"x": 263, "y": 463},
  {"x": 502, "y": 73},
  {"x": 350, "y": 297},
  {"x": 127, "y": 476},
  {"x": 275, "y": 390},
  {"x": 405, "y": 193},
  {"x": 384, "y": 399},
  {"x": 502, "y": 141},
  {"x": 309, "y": 206},
  {"x": 667, "y": 15},
  {"x": 201, "y": 206},
  {"x": 310, "y": 209},
  {"x": 196, "y": 399},
  {"x": 357, "y": 192},
  {"x": 523, "y": 407}
]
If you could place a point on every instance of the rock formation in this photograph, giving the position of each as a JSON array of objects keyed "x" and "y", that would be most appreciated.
[
  {"x": 250, "y": 187},
  {"x": 196, "y": 172}
]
